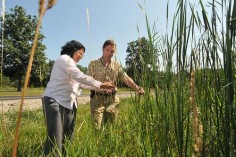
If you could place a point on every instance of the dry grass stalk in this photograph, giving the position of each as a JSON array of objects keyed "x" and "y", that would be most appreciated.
[
  {"x": 3, "y": 122},
  {"x": 197, "y": 125},
  {"x": 51, "y": 3},
  {"x": 42, "y": 11},
  {"x": 41, "y": 7},
  {"x": 88, "y": 18}
]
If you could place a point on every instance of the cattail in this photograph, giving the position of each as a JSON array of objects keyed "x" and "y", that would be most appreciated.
[
  {"x": 41, "y": 7},
  {"x": 51, "y": 3},
  {"x": 197, "y": 125}
]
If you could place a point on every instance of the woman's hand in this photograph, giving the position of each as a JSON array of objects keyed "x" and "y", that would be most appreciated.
[{"x": 107, "y": 85}]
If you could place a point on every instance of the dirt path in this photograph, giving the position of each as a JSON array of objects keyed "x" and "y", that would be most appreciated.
[{"x": 31, "y": 104}]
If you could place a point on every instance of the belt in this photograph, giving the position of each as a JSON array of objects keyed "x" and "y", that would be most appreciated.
[
  {"x": 100, "y": 94},
  {"x": 103, "y": 94}
]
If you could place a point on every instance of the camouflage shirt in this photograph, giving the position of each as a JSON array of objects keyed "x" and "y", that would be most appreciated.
[{"x": 111, "y": 73}]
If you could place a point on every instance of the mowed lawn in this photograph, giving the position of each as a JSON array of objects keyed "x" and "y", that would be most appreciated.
[{"x": 39, "y": 91}]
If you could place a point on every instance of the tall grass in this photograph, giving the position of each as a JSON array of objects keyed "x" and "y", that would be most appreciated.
[
  {"x": 194, "y": 45},
  {"x": 120, "y": 139}
]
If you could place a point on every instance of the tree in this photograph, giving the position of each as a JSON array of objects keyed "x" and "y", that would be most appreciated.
[
  {"x": 47, "y": 72},
  {"x": 41, "y": 74},
  {"x": 142, "y": 56},
  {"x": 83, "y": 69},
  {"x": 18, "y": 39}
]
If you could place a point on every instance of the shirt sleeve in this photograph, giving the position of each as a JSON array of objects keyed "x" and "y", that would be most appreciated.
[
  {"x": 84, "y": 86},
  {"x": 121, "y": 73},
  {"x": 89, "y": 70},
  {"x": 80, "y": 77}
]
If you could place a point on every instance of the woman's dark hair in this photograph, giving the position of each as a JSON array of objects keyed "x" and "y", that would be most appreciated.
[{"x": 71, "y": 47}]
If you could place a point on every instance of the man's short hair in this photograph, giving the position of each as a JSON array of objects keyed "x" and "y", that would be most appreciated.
[{"x": 108, "y": 42}]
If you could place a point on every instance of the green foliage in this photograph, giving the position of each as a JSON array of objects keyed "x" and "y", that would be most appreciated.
[
  {"x": 83, "y": 69},
  {"x": 7, "y": 83},
  {"x": 19, "y": 30},
  {"x": 141, "y": 55},
  {"x": 32, "y": 133},
  {"x": 41, "y": 74}
]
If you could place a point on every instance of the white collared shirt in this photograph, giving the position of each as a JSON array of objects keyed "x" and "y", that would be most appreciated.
[{"x": 65, "y": 80}]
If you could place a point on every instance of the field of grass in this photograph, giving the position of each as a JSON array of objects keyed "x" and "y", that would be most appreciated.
[
  {"x": 29, "y": 92},
  {"x": 86, "y": 141},
  {"x": 192, "y": 112},
  {"x": 39, "y": 91}
]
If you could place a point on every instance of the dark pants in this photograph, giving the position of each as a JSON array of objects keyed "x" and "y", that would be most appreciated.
[{"x": 60, "y": 123}]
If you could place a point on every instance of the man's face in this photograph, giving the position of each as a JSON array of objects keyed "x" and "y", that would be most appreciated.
[{"x": 108, "y": 51}]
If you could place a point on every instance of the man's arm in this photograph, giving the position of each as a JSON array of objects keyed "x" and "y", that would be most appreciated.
[{"x": 129, "y": 82}]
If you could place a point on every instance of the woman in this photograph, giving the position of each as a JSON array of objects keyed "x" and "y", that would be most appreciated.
[{"x": 59, "y": 99}]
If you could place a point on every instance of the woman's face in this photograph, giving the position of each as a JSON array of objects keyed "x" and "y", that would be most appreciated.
[{"x": 79, "y": 54}]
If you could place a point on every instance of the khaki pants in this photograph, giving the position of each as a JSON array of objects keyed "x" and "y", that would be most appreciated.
[{"x": 104, "y": 109}]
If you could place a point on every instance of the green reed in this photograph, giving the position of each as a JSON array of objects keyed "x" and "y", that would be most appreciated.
[{"x": 194, "y": 45}]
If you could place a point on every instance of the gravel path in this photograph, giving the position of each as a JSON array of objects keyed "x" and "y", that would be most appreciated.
[{"x": 31, "y": 104}]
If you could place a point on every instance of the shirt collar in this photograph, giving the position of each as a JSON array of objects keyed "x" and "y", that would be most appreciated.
[
  {"x": 69, "y": 58},
  {"x": 102, "y": 60},
  {"x": 103, "y": 63}
]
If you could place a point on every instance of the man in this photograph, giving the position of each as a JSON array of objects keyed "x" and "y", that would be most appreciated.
[{"x": 104, "y": 105}]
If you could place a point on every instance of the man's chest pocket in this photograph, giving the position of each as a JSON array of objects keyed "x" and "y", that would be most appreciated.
[{"x": 113, "y": 74}]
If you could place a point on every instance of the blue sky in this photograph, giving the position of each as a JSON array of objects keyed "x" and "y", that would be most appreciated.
[{"x": 109, "y": 19}]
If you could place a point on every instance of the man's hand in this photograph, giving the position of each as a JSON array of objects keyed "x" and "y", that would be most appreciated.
[
  {"x": 140, "y": 91},
  {"x": 107, "y": 85},
  {"x": 107, "y": 91}
]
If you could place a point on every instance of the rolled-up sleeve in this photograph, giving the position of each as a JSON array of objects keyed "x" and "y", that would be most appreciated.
[
  {"x": 80, "y": 77},
  {"x": 84, "y": 86}
]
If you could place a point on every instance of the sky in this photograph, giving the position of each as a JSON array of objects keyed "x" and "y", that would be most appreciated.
[{"x": 108, "y": 19}]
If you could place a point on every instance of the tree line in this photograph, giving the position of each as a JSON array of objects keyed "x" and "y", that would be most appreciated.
[{"x": 18, "y": 35}]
